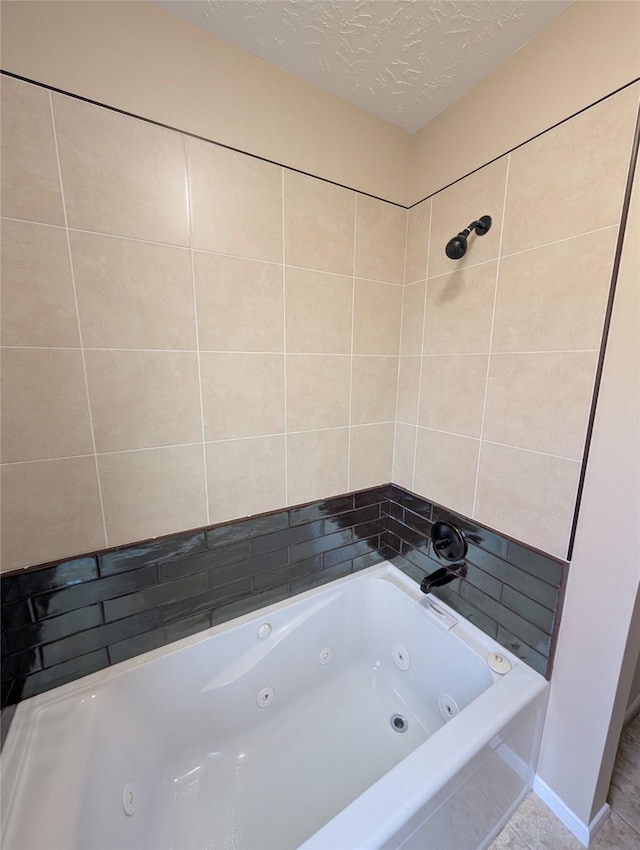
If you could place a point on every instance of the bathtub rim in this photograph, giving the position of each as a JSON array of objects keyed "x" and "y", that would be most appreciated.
[
  {"x": 525, "y": 684},
  {"x": 373, "y": 818},
  {"x": 477, "y": 640}
]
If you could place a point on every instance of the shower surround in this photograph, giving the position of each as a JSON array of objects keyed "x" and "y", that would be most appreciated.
[{"x": 206, "y": 335}]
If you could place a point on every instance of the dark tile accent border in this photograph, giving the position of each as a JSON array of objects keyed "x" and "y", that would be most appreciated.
[
  {"x": 62, "y": 621},
  {"x": 510, "y": 591}
]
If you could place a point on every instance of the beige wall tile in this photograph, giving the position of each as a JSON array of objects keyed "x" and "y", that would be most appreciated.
[
  {"x": 413, "y": 304},
  {"x": 38, "y": 307},
  {"x": 30, "y": 180},
  {"x": 236, "y": 202},
  {"x": 319, "y": 224},
  {"x": 317, "y": 464},
  {"x": 481, "y": 193},
  {"x": 408, "y": 388},
  {"x": 446, "y": 468},
  {"x": 240, "y": 304},
  {"x": 371, "y": 455},
  {"x": 121, "y": 175},
  {"x": 415, "y": 266},
  {"x": 571, "y": 179},
  {"x": 540, "y": 401},
  {"x": 377, "y": 315},
  {"x": 381, "y": 230},
  {"x": 404, "y": 455},
  {"x": 459, "y": 311},
  {"x": 317, "y": 391},
  {"x": 141, "y": 399},
  {"x": 133, "y": 294},
  {"x": 242, "y": 395},
  {"x": 452, "y": 393},
  {"x": 50, "y": 509},
  {"x": 319, "y": 309},
  {"x": 373, "y": 390},
  {"x": 555, "y": 297},
  {"x": 44, "y": 404},
  {"x": 152, "y": 492},
  {"x": 245, "y": 477},
  {"x": 528, "y": 496}
]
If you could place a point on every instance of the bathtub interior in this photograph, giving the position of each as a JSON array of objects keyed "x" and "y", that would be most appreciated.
[
  {"x": 472, "y": 808},
  {"x": 210, "y": 758}
]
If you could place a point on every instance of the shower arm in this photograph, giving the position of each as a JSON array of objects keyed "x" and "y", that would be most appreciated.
[{"x": 479, "y": 226}]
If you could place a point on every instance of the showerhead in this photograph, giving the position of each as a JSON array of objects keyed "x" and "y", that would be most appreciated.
[{"x": 457, "y": 247}]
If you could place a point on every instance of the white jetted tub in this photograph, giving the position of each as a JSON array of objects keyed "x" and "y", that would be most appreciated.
[{"x": 362, "y": 714}]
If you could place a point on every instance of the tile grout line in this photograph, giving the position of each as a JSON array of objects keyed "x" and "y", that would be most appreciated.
[
  {"x": 208, "y": 351},
  {"x": 509, "y": 823},
  {"x": 496, "y": 443},
  {"x": 197, "y": 250},
  {"x": 623, "y": 818},
  {"x": 424, "y": 324},
  {"x": 515, "y": 353},
  {"x": 404, "y": 290},
  {"x": 282, "y": 434},
  {"x": 292, "y": 353},
  {"x": 77, "y": 309},
  {"x": 493, "y": 318},
  {"x": 284, "y": 347},
  {"x": 196, "y": 328},
  {"x": 353, "y": 319},
  {"x": 524, "y": 251},
  {"x": 559, "y": 241}
]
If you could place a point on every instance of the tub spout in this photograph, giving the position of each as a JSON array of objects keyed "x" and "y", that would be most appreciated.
[{"x": 442, "y": 576}]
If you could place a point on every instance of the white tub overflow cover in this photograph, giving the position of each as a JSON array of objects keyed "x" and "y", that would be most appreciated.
[{"x": 498, "y": 663}]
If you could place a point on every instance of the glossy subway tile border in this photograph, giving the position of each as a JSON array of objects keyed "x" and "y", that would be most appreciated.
[
  {"x": 510, "y": 591},
  {"x": 64, "y": 620},
  {"x": 67, "y": 619}
]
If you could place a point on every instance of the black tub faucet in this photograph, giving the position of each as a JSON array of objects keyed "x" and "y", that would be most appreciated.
[
  {"x": 442, "y": 576},
  {"x": 449, "y": 544},
  {"x": 437, "y": 579}
]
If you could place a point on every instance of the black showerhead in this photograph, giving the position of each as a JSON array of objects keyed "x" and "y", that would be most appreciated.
[{"x": 457, "y": 247}]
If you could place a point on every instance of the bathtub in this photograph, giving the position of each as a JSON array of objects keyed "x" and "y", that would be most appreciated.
[{"x": 362, "y": 714}]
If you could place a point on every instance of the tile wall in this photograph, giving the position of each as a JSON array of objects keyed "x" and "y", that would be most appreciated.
[
  {"x": 499, "y": 350},
  {"x": 189, "y": 334}
]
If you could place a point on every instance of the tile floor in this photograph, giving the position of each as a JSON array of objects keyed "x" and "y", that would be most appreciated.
[{"x": 534, "y": 827}]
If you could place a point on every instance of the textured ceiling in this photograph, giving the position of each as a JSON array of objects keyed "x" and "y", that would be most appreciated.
[{"x": 404, "y": 60}]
